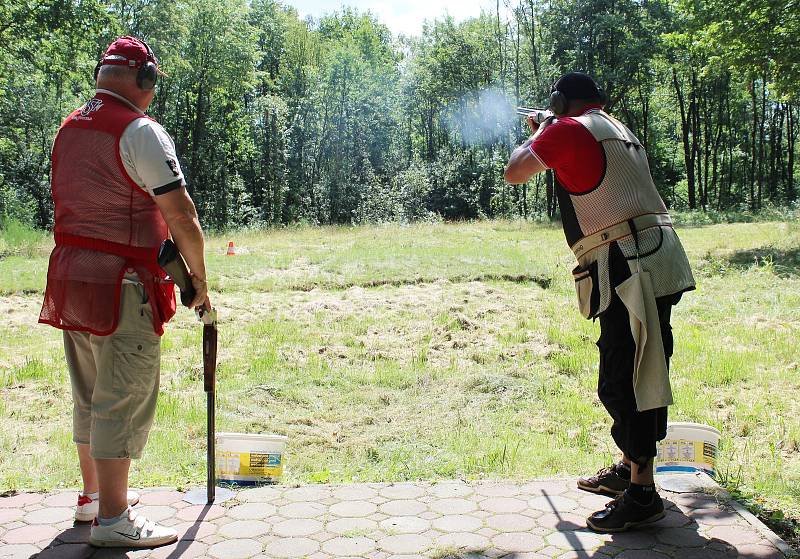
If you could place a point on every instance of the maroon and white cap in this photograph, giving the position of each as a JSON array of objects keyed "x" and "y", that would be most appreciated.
[{"x": 128, "y": 51}]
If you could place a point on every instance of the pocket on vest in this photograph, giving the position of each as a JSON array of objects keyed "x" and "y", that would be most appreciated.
[{"x": 587, "y": 289}]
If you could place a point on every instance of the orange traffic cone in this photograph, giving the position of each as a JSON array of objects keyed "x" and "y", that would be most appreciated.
[{"x": 231, "y": 250}]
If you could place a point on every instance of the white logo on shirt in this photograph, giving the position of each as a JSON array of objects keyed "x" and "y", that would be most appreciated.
[{"x": 92, "y": 106}]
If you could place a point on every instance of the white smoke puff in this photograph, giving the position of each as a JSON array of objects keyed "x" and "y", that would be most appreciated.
[{"x": 481, "y": 117}]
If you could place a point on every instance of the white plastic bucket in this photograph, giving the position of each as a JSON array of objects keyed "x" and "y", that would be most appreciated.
[
  {"x": 688, "y": 447},
  {"x": 246, "y": 459}
]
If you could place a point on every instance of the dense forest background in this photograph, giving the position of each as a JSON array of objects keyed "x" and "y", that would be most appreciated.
[{"x": 335, "y": 120}]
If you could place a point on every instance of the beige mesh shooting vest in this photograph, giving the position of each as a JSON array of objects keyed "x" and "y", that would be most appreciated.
[{"x": 624, "y": 200}]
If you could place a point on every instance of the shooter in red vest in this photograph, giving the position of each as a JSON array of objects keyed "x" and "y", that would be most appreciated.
[{"x": 118, "y": 192}]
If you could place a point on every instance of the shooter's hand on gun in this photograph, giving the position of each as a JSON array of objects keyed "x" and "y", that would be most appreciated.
[
  {"x": 194, "y": 290},
  {"x": 201, "y": 293},
  {"x": 537, "y": 118}
]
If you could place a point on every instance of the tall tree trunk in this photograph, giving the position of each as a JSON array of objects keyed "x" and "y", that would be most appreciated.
[
  {"x": 791, "y": 192},
  {"x": 687, "y": 149},
  {"x": 753, "y": 147}
]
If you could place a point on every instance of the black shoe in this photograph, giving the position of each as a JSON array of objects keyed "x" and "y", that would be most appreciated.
[
  {"x": 607, "y": 481},
  {"x": 624, "y": 513}
]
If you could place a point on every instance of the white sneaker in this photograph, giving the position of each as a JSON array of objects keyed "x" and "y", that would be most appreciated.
[
  {"x": 88, "y": 508},
  {"x": 134, "y": 530}
]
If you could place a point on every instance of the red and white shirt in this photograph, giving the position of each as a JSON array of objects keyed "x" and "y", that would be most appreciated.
[{"x": 567, "y": 147}]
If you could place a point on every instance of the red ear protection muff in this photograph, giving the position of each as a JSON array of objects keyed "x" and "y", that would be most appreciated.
[{"x": 147, "y": 76}]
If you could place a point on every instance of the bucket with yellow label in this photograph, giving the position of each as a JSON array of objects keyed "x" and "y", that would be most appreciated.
[
  {"x": 246, "y": 459},
  {"x": 688, "y": 447}
]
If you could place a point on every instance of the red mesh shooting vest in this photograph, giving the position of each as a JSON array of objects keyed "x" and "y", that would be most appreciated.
[{"x": 104, "y": 224}]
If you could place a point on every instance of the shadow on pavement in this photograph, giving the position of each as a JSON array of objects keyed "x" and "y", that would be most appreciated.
[{"x": 73, "y": 543}]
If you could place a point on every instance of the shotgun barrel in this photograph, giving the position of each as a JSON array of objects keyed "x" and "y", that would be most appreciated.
[{"x": 539, "y": 115}]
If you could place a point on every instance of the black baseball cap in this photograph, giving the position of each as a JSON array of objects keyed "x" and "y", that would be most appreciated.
[{"x": 577, "y": 85}]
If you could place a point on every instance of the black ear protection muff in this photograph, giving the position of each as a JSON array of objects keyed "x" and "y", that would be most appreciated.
[
  {"x": 559, "y": 103},
  {"x": 147, "y": 76}
]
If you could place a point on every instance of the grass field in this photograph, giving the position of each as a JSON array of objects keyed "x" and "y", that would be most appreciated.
[{"x": 427, "y": 351}]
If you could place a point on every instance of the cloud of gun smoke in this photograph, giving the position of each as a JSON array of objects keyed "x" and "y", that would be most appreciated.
[{"x": 481, "y": 117}]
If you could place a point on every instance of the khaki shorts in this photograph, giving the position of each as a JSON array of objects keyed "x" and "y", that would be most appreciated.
[{"x": 115, "y": 380}]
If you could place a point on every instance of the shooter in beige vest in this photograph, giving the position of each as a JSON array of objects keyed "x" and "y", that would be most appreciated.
[{"x": 631, "y": 270}]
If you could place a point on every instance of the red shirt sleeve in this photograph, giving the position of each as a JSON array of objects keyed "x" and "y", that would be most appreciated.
[{"x": 568, "y": 148}]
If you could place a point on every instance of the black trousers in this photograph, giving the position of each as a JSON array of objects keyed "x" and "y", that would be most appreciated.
[{"x": 634, "y": 432}]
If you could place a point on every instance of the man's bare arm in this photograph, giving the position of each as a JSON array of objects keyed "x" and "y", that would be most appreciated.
[
  {"x": 522, "y": 164},
  {"x": 179, "y": 212}
]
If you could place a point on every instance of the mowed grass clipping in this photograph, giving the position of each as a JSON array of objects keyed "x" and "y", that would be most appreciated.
[{"x": 425, "y": 352}]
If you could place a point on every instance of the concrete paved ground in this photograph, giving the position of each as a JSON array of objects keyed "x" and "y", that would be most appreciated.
[{"x": 404, "y": 520}]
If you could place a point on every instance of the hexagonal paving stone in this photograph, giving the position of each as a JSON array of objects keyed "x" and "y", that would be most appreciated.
[
  {"x": 497, "y": 490},
  {"x": 183, "y": 549},
  {"x": 156, "y": 513},
  {"x": 292, "y": 547},
  {"x": 10, "y": 515},
  {"x": 577, "y": 539},
  {"x": 18, "y": 551},
  {"x": 355, "y": 493},
  {"x": 244, "y": 529},
  {"x": 406, "y": 507},
  {"x": 200, "y": 513},
  {"x": 252, "y": 511},
  {"x": 760, "y": 552},
  {"x": 402, "y": 491},
  {"x": 635, "y": 539},
  {"x": 167, "y": 498},
  {"x": 502, "y": 505},
  {"x": 681, "y": 537},
  {"x": 457, "y": 523},
  {"x": 550, "y": 503},
  {"x": 30, "y": 534},
  {"x": 463, "y": 540},
  {"x": 76, "y": 534},
  {"x": 307, "y": 493},
  {"x": 696, "y": 500},
  {"x": 354, "y": 509},
  {"x": 405, "y": 525},
  {"x": 349, "y": 526},
  {"x": 547, "y": 487},
  {"x": 235, "y": 549},
  {"x": 405, "y": 543},
  {"x": 194, "y": 530},
  {"x": 641, "y": 554},
  {"x": 511, "y": 522},
  {"x": 735, "y": 535},
  {"x": 339, "y": 547},
  {"x": 49, "y": 515},
  {"x": 302, "y": 510},
  {"x": 706, "y": 553},
  {"x": 674, "y": 519},
  {"x": 260, "y": 495},
  {"x": 562, "y": 521},
  {"x": 446, "y": 490},
  {"x": 63, "y": 499},
  {"x": 518, "y": 542},
  {"x": 453, "y": 506},
  {"x": 713, "y": 516},
  {"x": 20, "y": 500},
  {"x": 66, "y": 551},
  {"x": 297, "y": 527}
]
